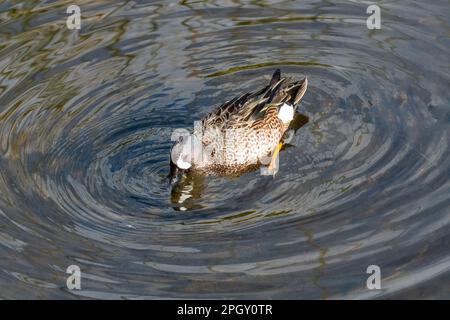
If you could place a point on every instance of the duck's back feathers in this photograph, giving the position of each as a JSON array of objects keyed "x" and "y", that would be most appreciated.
[
  {"x": 261, "y": 117},
  {"x": 253, "y": 106}
]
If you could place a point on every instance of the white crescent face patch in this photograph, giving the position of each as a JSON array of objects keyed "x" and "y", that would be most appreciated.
[
  {"x": 182, "y": 164},
  {"x": 181, "y": 154},
  {"x": 286, "y": 113}
]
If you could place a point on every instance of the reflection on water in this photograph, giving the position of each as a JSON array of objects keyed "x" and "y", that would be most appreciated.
[{"x": 85, "y": 124}]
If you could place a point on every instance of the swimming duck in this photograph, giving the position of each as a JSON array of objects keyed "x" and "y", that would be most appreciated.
[{"x": 243, "y": 133}]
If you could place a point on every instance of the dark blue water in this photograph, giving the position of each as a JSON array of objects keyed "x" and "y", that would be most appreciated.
[{"x": 85, "y": 123}]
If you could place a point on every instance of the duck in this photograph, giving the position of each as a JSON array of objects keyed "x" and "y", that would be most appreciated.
[{"x": 241, "y": 134}]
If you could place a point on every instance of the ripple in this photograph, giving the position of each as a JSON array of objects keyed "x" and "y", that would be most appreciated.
[{"x": 85, "y": 124}]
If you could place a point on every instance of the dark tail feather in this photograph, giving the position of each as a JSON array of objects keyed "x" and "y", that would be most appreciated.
[
  {"x": 270, "y": 94},
  {"x": 275, "y": 78},
  {"x": 298, "y": 91}
]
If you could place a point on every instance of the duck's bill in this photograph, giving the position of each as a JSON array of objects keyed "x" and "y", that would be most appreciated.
[{"x": 175, "y": 174}]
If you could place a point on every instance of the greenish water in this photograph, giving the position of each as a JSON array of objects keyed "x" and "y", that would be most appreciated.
[{"x": 85, "y": 124}]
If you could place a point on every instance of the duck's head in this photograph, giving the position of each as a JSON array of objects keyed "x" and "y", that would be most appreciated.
[{"x": 182, "y": 156}]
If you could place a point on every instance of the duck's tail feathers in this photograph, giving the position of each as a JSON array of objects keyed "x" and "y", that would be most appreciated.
[
  {"x": 274, "y": 90},
  {"x": 275, "y": 78},
  {"x": 297, "y": 91}
]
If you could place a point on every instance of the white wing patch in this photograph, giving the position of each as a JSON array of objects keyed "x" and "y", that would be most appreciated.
[{"x": 286, "y": 113}]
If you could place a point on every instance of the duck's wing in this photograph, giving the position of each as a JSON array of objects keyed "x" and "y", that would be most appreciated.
[
  {"x": 284, "y": 91},
  {"x": 252, "y": 107},
  {"x": 222, "y": 114},
  {"x": 240, "y": 105}
]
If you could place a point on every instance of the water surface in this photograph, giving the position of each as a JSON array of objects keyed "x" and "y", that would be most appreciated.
[{"x": 85, "y": 124}]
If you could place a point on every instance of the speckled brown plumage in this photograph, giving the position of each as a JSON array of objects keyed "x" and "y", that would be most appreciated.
[{"x": 241, "y": 133}]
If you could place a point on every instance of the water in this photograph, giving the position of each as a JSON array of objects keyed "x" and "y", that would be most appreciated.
[{"x": 85, "y": 124}]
